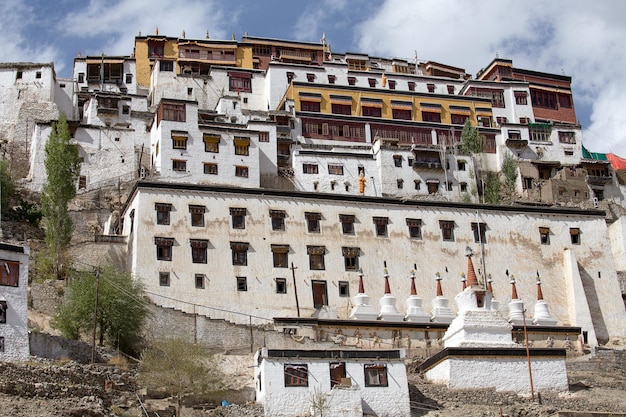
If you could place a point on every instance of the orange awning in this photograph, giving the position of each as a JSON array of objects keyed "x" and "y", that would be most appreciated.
[{"x": 617, "y": 162}]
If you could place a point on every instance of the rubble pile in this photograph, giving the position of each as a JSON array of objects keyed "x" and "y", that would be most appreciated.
[
  {"x": 69, "y": 388},
  {"x": 589, "y": 391}
]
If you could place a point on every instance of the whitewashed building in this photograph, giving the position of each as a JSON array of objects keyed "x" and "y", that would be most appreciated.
[
  {"x": 349, "y": 383},
  {"x": 189, "y": 243},
  {"x": 14, "y": 342}
]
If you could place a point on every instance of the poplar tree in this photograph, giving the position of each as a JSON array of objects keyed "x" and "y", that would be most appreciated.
[
  {"x": 472, "y": 144},
  {"x": 62, "y": 169}
]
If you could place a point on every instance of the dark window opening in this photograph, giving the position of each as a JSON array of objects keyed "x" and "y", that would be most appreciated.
[
  {"x": 242, "y": 284},
  {"x": 281, "y": 286},
  {"x": 415, "y": 228},
  {"x": 199, "y": 279},
  {"x": 239, "y": 253},
  {"x": 164, "y": 248},
  {"x": 164, "y": 279},
  {"x": 296, "y": 375},
  {"x": 238, "y": 216},
  {"x": 380, "y": 224},
  {"x": 316, "y": 257},
  {"x": 347, "y": 224},
  {"x": 163, "y": 213},
  {"x": 479, "y": 230},
  {"x": 447, "y": 230},
  {"x": 199, "y": 251},
  {"x": 375, "y": 375},
  {"x": 313, "y": 222},
  {"x": 344, "y": 289}
]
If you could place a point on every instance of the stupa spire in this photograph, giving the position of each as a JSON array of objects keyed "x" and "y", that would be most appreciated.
[
  {"x": 514, "y": 295},
  {"x": 387, "y": 287},
  {"x": 439, "y": 290},
  {"x": 471, "y": 274},
  {"x": 361, "y": 286}
]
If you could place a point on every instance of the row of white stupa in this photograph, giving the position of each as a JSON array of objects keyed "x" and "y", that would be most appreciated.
[{"x": 441, "y": 312}]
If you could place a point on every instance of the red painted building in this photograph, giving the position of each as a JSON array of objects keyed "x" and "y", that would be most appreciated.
[{"x": 550, "y": 94}]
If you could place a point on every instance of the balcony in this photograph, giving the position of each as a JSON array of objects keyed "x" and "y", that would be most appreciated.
[
  {"x": 107, "y": 111},
  {"x": 428, "y": 164},
  {"x": 599, "y": 179},
  {"x": 295, "y": 56},
  {"x": 206, "y": 55},
  {"x": 283, "y": 131},
  {"x": 516, "y": 143}
]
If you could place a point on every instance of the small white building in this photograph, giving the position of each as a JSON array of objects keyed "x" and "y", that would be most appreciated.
[
  {"x": 14, "y": 345},
  {"x": 347, "y": 383}
]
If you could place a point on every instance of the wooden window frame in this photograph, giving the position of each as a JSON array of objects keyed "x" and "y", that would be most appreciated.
[
  {"x": 347, "y": 223},
  {"x": 238, "y": 218},
  {"x": 164, "y": 248},
  {"x": 281, "y": 285},
  {"x": 164, "y": 279},
  {"x": 447, "y": 230},
  {"x": 296, "y": 375},
  {"x": 242, "y": 284},
  {"x": 9, "y": 273},
  {"x": 163, "y": 213},
  {"x": 197, "y": 215},
  {"x": 242, "y": 171},
  {"x": 480, "y": 232},
  {"x": 210, "y": 168},
  {"x": 199, "y": 251},
  {"x": 375, "y": 375}
]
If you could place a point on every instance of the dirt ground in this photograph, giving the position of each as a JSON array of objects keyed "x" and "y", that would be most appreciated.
[{"x": 41, "y": 388}]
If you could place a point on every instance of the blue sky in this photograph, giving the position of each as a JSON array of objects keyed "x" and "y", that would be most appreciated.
[{"x": 583, "y": 39}]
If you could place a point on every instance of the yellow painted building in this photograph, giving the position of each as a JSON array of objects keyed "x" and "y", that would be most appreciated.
[
  {"x": 386, "y": 104},
  {"x": 187, "y": 56}
]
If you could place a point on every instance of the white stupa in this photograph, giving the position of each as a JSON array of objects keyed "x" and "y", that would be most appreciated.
[
  {"x": 495, "y": 304},
  {"x": 516, "y": 305},
  {"x": 542, "y": 316},
  {"x": 441, "y": 306},
  {"x": 362, "y": 309},
  {"x": 479, "y": 350},
  {"x": 388, "y": 309},
  {"x": 476, "y": 323},
  {"x": 414, "y": 310}
]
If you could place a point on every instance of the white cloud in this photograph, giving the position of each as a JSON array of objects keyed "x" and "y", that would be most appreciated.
[
  {"x": 583, "y": 39},
  {"x": 15, "y": 17},
  {"x": 118, "y": 22},
  {"x": 317, "y": 18}
]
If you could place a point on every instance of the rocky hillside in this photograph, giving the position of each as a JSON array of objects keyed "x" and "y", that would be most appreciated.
[{"x": 44, "y": 388}]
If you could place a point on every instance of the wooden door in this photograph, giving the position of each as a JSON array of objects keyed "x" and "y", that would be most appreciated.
[{"x": 320, "y": 296}]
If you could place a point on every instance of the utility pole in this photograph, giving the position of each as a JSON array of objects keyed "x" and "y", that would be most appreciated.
[
  {"x": 530, "y": 373},
  {"x": 295, "y": 288},
  {"x": 95, "y": 318}
]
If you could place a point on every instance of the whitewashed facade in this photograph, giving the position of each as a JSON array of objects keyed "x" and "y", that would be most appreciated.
[
  {"x": 14, "y": 342},
  {"x": 292, "y": 383},
  {"x": 256, "y": 282}
]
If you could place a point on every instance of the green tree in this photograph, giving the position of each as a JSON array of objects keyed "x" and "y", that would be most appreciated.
[
  {"x": 472, "y": 144},
  {"x": 62, "y": 169},
  {"x": 121, "y": 308},
  {"x": 180, "y": 368},
  {"x": 7, "y": 186},
  {"x": 509, "y": 171},
  {"x": 491, "y": 193}
]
